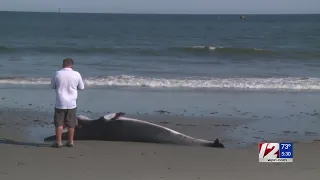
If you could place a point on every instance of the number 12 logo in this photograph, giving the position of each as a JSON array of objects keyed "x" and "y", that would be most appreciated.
[{"x": 269, "y": 150}]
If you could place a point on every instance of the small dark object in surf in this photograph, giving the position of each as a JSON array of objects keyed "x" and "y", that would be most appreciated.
[
  {"x": 314, "y": 113},
  {"x": 290, "y": 132},
  {"x": 162, "y": 112},
  {"x": 163, "y": 122}
]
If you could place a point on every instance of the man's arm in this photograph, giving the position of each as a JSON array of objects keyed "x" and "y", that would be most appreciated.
[
  {"x": 53, "y": 82},
  {"x": 80, "y": 83}
]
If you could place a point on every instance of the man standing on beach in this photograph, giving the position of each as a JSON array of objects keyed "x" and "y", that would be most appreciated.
[{"x": 66, "y": 82}]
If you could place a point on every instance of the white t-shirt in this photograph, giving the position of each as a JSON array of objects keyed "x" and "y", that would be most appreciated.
[{"x": 66, "y": 83}]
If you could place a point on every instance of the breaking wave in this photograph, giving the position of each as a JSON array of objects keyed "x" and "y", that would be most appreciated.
[
  {"x": 289, "y": 83},
  {"x": 226, "y": 50},
  {"x": 166, "y": 51}
]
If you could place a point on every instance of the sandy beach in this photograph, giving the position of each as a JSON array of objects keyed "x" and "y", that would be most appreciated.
[
  {"x": 105, "y": 160},
  {"x": 24, "y": 155}
]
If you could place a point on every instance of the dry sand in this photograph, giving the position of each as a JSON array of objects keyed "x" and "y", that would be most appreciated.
[{"x": 125, "y": 160}]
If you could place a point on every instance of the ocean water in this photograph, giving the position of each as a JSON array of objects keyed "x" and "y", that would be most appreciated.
[
  {"x": 265, "y": 67},
  {"x": 263, "y": 52}
]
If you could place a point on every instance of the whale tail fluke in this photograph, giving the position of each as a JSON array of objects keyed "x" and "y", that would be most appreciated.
[{"x": 216, "y": 144}]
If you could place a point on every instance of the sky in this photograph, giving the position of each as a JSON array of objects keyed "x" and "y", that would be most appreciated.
[{"x": 166, "y": 6}]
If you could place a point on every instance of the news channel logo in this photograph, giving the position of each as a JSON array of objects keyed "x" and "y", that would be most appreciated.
[{"x": 276, "y": 152}]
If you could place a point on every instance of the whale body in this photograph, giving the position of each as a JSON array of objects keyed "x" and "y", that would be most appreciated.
[{"x": 117, "y": 127}]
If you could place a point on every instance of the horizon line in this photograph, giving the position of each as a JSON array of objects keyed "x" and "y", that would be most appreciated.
[{"x": 141, "y": 13}]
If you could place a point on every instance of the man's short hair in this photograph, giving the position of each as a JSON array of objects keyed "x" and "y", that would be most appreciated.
[{"x": 67, "y": 62}]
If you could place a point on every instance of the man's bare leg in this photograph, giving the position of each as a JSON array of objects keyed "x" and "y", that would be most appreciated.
[
  {"x": 70, "y": 135},
  {"x": 59, "y": 131}
]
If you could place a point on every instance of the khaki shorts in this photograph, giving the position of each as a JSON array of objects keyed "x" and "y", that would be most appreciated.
[{"x": 65, "y": 117}]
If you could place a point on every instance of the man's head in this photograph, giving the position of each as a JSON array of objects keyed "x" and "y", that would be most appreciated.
[{"x": 67, "y": 63}]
